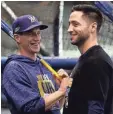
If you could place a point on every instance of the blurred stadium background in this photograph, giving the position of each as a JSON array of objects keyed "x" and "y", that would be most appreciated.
[{"x": 55, "y": 39}]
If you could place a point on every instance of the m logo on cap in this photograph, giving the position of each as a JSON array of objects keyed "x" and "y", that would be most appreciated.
[{"x": 32, "y": 18}]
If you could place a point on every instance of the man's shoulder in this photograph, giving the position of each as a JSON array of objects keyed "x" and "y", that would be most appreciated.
[
  {"x": 99, "y": 56},
  {"x": 11, "y": 65}
]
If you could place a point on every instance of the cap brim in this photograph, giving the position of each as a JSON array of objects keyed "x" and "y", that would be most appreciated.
[{"x": 41, "y": 27}]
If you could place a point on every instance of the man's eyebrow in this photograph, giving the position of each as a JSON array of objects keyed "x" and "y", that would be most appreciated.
[
  {"x": 35, "y": 30},
  {"x": 73, "y": 22},
  {"x": 38, "y": 31}
]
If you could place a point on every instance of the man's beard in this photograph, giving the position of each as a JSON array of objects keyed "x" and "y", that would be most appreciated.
[{"x": 80, "y": 40}]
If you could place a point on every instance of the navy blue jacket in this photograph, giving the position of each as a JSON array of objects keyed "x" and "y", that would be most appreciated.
[{"x": 24, "y": 83}]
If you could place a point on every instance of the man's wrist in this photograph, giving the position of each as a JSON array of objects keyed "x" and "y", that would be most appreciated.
[{"x": 63, "y": 90}]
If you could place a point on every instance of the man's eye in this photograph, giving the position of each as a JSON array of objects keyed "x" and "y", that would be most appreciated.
[
  {"x": 38, "y": 33},
  {"x": 75, "y": 24},
  {"x": 30, "y": 34}
]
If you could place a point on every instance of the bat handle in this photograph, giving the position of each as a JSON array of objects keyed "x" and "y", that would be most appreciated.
[{"x": 50, "y": 69}]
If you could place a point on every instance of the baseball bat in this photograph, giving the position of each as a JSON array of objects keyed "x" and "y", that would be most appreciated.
[
  {"x": 7, "y": 29},
  {"x": 50, "y": 68}
]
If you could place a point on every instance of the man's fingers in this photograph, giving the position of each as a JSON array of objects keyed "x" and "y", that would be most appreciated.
[
  {"x": 70, "y": 82},
  {"x": 62, "y": 73}
]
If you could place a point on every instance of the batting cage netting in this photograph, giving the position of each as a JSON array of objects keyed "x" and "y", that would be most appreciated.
[{"x": 55, "y": 39}]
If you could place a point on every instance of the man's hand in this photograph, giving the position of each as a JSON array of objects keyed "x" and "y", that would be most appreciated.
[
  {"x": 63, "y": 74},
  {"x": 64, "y": 84},
  {"x": 52, "y": 98},
  {"x": 70, "y": 82}
]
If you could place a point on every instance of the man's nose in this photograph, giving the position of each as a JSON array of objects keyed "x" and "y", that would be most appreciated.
[
  {"x": 70, "y": 29},
  {"x": 37, "y": 38}
]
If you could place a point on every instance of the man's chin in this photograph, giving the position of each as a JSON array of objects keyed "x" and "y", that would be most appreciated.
[
  {"x": 35, "y": 51},
  {"x": 73, "y": 43}
]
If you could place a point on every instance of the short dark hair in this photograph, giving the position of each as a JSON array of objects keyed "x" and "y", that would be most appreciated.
[{"x": 91, "y": 12}]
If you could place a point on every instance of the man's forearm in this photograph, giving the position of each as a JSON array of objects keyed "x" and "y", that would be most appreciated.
[
  {"x": 51, "y": 99},
  {"x": 62, "y": 101}
]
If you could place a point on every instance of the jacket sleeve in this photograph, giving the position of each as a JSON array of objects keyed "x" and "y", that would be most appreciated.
[{"x": 19, "y": 92}]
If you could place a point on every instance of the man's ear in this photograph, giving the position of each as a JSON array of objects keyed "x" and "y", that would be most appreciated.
[
  {"x": 17, "y": 38},
  {"x": 93, "y": 27}
]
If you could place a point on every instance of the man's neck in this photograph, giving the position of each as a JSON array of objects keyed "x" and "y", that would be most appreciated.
[
  {"x": 88, "y": 44},
  {"x": 29, "y": 55}
]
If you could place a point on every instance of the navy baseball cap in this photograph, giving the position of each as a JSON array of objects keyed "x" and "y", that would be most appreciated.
[{"x": 25, "y": 23}]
